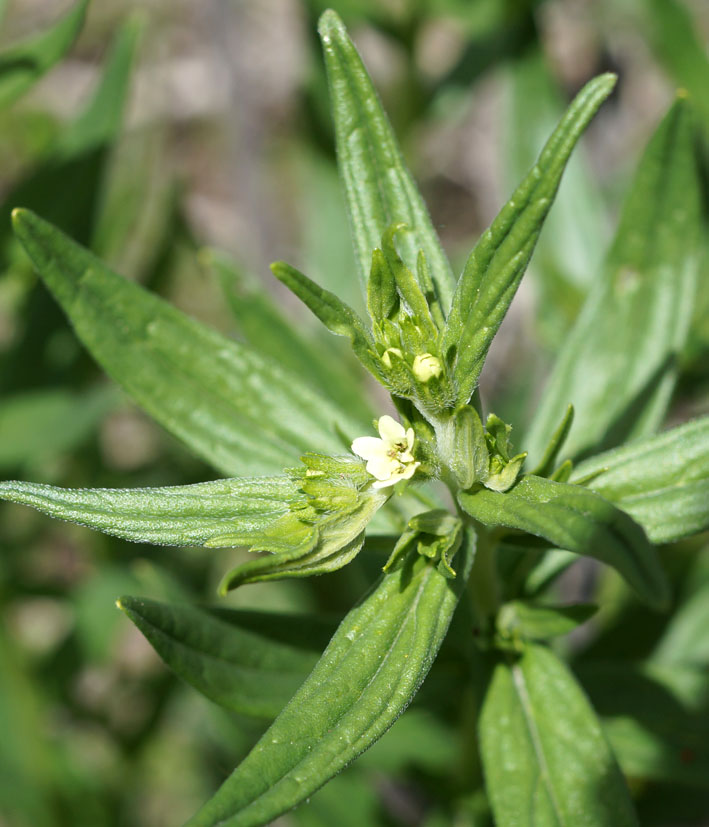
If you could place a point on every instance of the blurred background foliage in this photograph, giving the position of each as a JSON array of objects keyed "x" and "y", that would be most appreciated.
[{"x": 159, "y": 129}]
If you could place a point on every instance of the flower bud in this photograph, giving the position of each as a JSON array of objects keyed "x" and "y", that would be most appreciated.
[{"x": 427, "y": 366}]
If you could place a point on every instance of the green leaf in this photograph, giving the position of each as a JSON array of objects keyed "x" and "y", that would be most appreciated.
[
  {"x": 497, "y": 263},
  {"x": 545, "y": 759},
  {"x": 235, "y": 511},
  {"x": 537, "y": 622},
  {"x": 39, "y": 425},
  {"x": 232, "y": 407},
  {"x": 655, "y": 717},
  {"x": 661, "y": 481},
  {"x": 684, "y": 640},
  {"x": 555, "y": 445},
  {"x": 101, "y": 119},
  {"x": 618, "y": 366},
  {"x": 366, "y": 677},
  {"x": 333, "y": 313},
  {"x": 250, "y": 662},
  {"x": 379, "y": 188},
  {"x": 268, "y": 330},
  {"x": 22, "y": 64},
  {"x": 578, "y": 520}
]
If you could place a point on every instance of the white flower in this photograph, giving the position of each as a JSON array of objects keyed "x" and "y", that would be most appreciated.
[{"x": 390, "y": 458}]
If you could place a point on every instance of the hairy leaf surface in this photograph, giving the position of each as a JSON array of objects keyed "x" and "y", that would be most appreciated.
[
  {"x": 379, "y": 188},
  {"x": 578, "y": 520},
  {"x": 545, "y": 758},
  {"x": 248, "y": 661},
  {"x": 366, "y": 677},
  {"x": 618, "y": 365},
  {"x": 240, "y": 412},
  {"x": 661, "y": 481},
  {"x": 497, "y": 263}
]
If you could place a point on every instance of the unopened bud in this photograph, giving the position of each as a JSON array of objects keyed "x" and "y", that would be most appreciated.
[
  {"x": 427, "y": 366},
  {"x": 386, "y": 356}
]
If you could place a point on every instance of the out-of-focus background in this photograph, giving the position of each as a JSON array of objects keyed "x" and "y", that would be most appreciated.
[{"x": 218, "y": 135}]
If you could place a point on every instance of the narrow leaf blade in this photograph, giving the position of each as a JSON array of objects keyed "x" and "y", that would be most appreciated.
[
  {"x": 661, "y": 481},
  {"x": 497, "y": 263},
  {"x": 236, "y": 510},
  {"x": 366, "y": 677},
  {"x": 232, "y": 407},
  {"x": 545, "y": 758},
  {"x": 22, "y": 64},
  {"x": 641, "y": 307},
  {"x": 379, "y": 188},
  {"x": 247, "y": 661},
  {"x": 578, "y": 520}
]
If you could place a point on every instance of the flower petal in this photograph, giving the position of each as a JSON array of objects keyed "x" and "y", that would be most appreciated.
[
  {"x": 382, "y": 467},
  {"x": 390, "y": 430},
  {"x": 368, "y": 447}
]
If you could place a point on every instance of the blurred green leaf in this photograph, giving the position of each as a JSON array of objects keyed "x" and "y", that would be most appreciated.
[
  {"x": 577, "y": 520},
  {"x": 618, "y": 366},
  {"x": 349, "y": 800},
  {"x": 661, "y": 481},
  {"x": 380, "y": 654},
  {"x": 496, "y": 265},
  {"x": 250, "y": 662},
  {"x": 379, "y": 188},
  {"x": 545, "y": 758},
  {"x": 39, "y": 425},
  {"x": 538, "y": 622},
  {"x": 684, "y": 640},
  {"x": 22, "y": 64},
  {"x": 655, "y": 717},
  {"x": 266, "y": 328},
  {"x": 101, "y": 119},
  {"x": 234, "y": 408}
]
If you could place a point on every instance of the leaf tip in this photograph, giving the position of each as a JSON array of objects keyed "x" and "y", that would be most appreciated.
[{"x": 330, "y": 23}]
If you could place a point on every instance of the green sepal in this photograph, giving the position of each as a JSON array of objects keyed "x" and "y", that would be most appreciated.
[
  {"x": 435, "y": 534},
  {"x": 574, "y": 518},
  {"x": 323, "y": 532},
  {"x": 556, "y": 443},
  {"x": 503, "y": 470},
  {"x": 462, "y": 446},
  {"x": 382, "y": 296},
  {"x": 531, "y": 621},
  {"x": 497, "y": 263}
]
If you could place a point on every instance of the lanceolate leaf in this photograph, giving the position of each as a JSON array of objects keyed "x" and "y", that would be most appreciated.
[
  {"x": 545, "y": 758},
  {"x": 379, "y": 188},
  {"x": 22, "y": 64},
  {"x": 237, "y": 511},
  {"x": 366, "y": 677},
  {"x": 497, "y": 263},
  {"x": 266, "y": 329},
  {"x": 234, "y": 408},
  {"x": 573, "y": 518},
  {"x": 618, "y": 366},
  {"x": 661, "y": 481},
  {"x": 655, "y": 717},
  {"x": 250, "y": 662},
  {"x": 101, "y": 120}
]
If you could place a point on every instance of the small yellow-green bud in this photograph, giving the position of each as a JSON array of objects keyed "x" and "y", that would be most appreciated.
[
  {"x": 386, "y": 356},
  {"x": 427, "y": 366}
]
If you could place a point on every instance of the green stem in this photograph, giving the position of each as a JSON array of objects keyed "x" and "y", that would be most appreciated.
[{"x": 484, "y": 586}]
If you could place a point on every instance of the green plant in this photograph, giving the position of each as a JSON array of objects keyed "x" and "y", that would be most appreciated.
[{"x": 442, "y": 492}]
